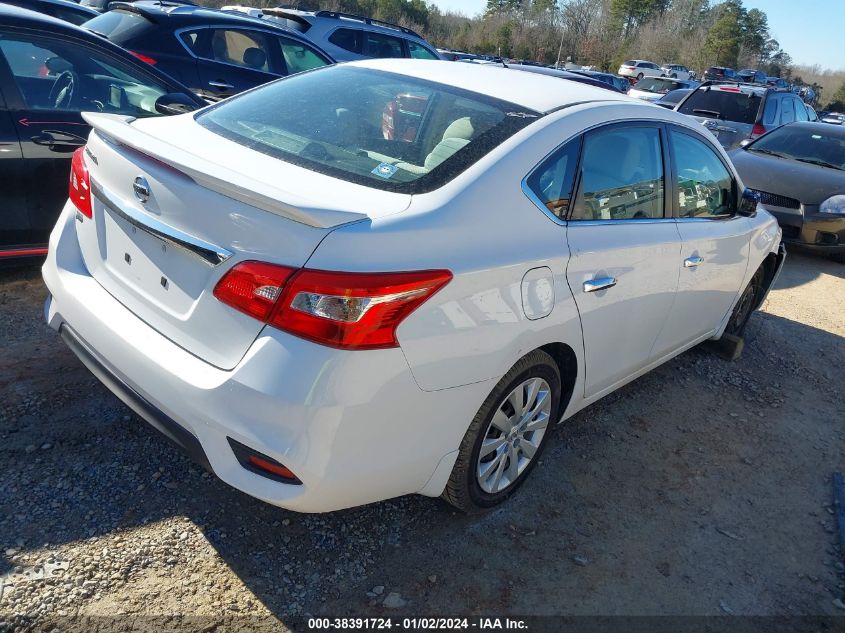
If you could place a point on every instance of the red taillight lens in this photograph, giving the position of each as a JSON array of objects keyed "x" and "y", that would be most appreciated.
[
  {"x": 757, "y": 130},
  {"x": 353, "y": 310},
  {"x": 79, "y": 187},
  {"x": 253, "y": 287},
  {"x": 338, "y": 309},
  {"x": 144, "y": 58}
]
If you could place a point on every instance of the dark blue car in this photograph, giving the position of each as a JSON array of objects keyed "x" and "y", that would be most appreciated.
[{"x": 216, "y": 53}]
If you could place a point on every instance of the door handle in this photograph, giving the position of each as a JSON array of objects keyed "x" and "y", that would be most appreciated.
[
  {"x": 58, "y": 141},
  {"x": 220, "y": 85},
  {"x": 599, "y": 283},
  {"x": 692, "y": 262}
]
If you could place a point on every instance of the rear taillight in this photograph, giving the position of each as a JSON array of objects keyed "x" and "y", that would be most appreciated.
[
  {"x": 253, "y": 287},
  {"x": 757, "y": 130},
  {"x": 338, "y": 309},
  {"x": 79, "y": 187},
  {"x": 144, "y": 58}
]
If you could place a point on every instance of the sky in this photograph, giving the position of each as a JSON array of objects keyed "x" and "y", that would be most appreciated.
[{"x": 811, "y": 31}]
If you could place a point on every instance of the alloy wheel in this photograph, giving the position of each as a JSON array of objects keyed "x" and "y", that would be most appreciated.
[{"x": 514, "y": 435}]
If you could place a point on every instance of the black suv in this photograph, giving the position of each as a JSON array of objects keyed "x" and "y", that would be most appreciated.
[{"x": 215, "y": 53}]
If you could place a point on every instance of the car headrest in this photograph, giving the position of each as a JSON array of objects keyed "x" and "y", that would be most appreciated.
[
  {"x": 255, "y": 57},
  {"x": 460, "y": 128}
]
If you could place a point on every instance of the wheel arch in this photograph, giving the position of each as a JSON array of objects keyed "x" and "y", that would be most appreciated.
[
  {"x": 771, "y": 266},
  {"x": 567, "y": 364}
]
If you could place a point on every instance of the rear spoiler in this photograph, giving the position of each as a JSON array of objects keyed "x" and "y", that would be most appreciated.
[
  {"x": 302, "y": 24},
  {"x": 117, "y": 130}
]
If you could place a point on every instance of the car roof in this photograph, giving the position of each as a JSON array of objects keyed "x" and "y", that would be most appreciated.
[
  {"x": 154, "y": 9},
  {"x": 563, "y": 74},
  {"x": 58, "y": 3},
  {"x": 534, "y": 90},
  {"x": 11, "y": 15}
]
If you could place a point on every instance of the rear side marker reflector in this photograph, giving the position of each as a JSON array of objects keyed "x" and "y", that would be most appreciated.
[
  {"x": 262, "y": 464},
  {"x": 338, "y": 309}
]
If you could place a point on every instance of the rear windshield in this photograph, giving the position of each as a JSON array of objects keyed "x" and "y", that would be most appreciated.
[
  {"x": 629, "y": 62},
  {"x": 722, "y": 104},
  {"x": 657, "y": 85},
  {"x": 118, "y": 26},
  {"x": 375, "y": 128}
]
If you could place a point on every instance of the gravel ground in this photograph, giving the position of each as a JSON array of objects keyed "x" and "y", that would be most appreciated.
[{"x": 700, "y": 489}]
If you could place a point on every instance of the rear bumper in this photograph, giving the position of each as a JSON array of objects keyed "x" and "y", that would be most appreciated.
[
  {"x": 820, "y": 232},
  {"x": 354, "y": 427},
  {"x": 177, "y": 434}
]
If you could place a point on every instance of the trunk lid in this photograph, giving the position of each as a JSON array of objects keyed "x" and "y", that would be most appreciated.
[{"x": 169, "y": 222}]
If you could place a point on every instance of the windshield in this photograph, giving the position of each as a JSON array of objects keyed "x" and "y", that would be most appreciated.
[
  {"x": 375, "y": 128},
  {"x": 658, "y": 85},
  {"x": 118, "y": 26},
  {"x": 806, "y": 145},
  {"x": 727, "y": 105}
]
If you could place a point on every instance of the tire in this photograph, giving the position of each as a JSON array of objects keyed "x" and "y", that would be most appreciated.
[
  {"x": 674, "y": 75},
  {"x": 745, "y": 306},
  {"x": 479, "y": 482}
]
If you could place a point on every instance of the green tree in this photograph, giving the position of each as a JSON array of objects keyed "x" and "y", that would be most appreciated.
[
  {"x": 725, "y": 36},
  {"x": 629, "y": 14},
  {"x": 504, "y": 37},
  {"x": 755, "y": 34}
]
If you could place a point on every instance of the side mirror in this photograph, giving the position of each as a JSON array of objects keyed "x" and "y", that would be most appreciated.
[
  {"x": 175, "y": 103},
  {"x": 748, "y": 203},
  {"x": 745, "y": 142}
]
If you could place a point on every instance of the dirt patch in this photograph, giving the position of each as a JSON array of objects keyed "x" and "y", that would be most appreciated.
[{"x": 701, "y": 489}]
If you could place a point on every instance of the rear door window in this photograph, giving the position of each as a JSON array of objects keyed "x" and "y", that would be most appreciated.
[
  {"x": 192, "y": 40},
  {"x": 383, "y": 46},
  {"x": 621, "y": 175},
  {"x": 553, "y": 180},
  {"x": 249, "y": 49},
  {"x": 351, "y": 40}
]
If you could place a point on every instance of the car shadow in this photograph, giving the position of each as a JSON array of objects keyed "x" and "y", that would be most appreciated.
[{"x": 80, "y": 466}]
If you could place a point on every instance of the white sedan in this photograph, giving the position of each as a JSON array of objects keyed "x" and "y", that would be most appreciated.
[{"x": 363, "y": 282}]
